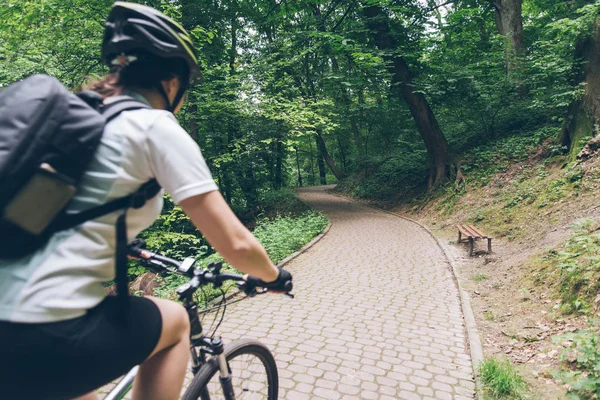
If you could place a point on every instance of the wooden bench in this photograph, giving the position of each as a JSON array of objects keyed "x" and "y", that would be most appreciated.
[{"x": 471, "y": 233}]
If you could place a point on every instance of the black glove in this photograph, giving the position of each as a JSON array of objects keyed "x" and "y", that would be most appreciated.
[{"x": 283, "y": 283}]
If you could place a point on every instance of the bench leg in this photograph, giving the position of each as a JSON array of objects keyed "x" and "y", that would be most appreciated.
[
  {"x": 470, "y": 246},
  {"x": 489, "y": 245},
  {"x": 459, "y": 237}
]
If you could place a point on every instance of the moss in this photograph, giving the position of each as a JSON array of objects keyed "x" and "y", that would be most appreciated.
[{"x": 581, "y": 134}]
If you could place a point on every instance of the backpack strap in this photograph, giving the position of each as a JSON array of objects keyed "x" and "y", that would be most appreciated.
[{"x": 135, "y": 200}]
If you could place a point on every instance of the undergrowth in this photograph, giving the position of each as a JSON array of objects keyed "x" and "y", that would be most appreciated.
[
  {"x": 283, "y": 235},
  {"x": 574, "y": 267},
  {"x": 583, "y": 362},
  {"x": 501, "y": 380},
  {"x": 280, "y": 236}
]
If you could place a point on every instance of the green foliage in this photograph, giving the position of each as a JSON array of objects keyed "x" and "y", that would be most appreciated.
[
  {"x": 174, "y": 235},
  {"x": 582, "y": 362},
  {"x": 483, "y": 162},
  {"x": 479, "y": 277},
  {"x": 576, "y": 267},
  {"x": 284, "y": 235},
  {"x": 501, "y": 380},
  {"x": 391, "y": 177},
  {"x": 283, "y": 201}
]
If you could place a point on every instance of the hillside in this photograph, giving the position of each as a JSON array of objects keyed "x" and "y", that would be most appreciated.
[{"x": 542, "y": 278}]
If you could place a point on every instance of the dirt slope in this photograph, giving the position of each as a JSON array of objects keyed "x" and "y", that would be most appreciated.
[{"x": 528, "y": 209}]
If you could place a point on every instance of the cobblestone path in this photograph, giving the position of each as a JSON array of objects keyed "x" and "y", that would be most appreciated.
[{"x": 376, "y": 315}]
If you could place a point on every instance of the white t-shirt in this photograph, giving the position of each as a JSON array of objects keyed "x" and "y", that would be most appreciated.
[{"x": 64, "y": 278}]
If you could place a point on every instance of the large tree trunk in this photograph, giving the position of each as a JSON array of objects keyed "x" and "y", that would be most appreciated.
[
  {"x": 435, "y": 142},
  {"x": 509, "y": 22},
  {"x": 298, "y": 167},
  {"x": 584, "y": 114},
  {"x": 328, "y": 159}
]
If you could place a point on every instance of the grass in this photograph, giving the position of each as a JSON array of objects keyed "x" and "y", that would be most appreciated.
[
  {"x": 479, "y": 277},
  {"x": 488, "y": 315},
  {"x": 501, "y": 380}
]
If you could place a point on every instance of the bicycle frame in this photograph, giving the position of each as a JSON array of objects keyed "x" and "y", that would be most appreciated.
[{"x": 206, "y": 345}]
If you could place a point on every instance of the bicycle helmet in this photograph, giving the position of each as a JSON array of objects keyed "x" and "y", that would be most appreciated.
[{"x": 132, "y": 28}]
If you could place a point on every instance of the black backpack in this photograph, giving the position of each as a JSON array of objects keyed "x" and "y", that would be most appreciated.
[{"x": 48, "y": 137}]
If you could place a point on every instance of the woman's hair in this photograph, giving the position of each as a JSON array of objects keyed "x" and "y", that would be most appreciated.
[{"x": 144, "y": 73}]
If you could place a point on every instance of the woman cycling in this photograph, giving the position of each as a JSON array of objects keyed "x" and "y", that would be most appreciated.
[{"x": 59, "y": 337}]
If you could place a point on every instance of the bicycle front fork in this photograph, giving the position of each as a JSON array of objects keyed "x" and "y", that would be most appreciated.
[
  {"x": 215, "y": 347},
  {"x": 224, "y": 373}
]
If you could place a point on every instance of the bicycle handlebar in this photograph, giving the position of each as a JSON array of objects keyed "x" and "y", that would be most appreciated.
[{"x": 159, "y": 263}]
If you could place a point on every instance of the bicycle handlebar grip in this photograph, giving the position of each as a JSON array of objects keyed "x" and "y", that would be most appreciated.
[
  {"x": 277, "y": 285},
  {"x": 136, "y": 246}
]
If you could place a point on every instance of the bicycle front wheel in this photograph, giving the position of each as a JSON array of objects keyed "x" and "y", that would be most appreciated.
[{"x": 253, "y": 370}]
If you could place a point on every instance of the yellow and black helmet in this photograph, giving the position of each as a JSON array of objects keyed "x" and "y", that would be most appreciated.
[{"x": 131, "y": 28}]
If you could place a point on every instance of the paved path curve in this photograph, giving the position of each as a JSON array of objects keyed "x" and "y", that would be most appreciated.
[{"x": 376, "y": 315}]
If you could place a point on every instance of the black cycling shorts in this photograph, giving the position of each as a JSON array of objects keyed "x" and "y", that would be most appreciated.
[{"x": 66, "y": 359}]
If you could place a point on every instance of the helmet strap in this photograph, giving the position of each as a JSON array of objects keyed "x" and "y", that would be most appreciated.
[
  {"x": 171, "y": 106},
  {"x": 178, "y": 96},
  {"x": 161, "y": 90}
]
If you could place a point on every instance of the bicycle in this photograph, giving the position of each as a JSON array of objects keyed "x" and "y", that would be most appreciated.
[{"x": 223, "y": 358}]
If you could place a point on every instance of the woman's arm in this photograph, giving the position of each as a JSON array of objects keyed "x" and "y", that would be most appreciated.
[{"x": 224, "y": 231}]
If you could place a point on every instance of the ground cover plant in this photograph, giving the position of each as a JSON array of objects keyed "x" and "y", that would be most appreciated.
[{"x": 500, "y": 380}]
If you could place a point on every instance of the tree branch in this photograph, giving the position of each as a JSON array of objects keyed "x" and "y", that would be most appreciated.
[
  {"x": 343, "y": 17},
  {"x": 430, "y": 9}
]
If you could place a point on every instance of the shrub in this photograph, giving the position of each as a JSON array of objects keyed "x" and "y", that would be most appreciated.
[
  {"x": 583, "y": 378},
  {"x": 282, "y": 201},
  {"x": 285, "y": 234}
]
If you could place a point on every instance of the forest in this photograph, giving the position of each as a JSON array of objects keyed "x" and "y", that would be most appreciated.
[
  {"x": 386, "y": 96},
  {"x": 396, "y": 101}
]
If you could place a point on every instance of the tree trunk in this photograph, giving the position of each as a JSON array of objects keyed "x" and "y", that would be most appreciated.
[
  {"x": 328, "y": 159},
  {"x": 435, "y": 142},
  {"x": 584, "y": 114},
  {"x": 312, "y": 163},
  {"x": 342, "y": 154},
  {"x": 193, "y": 125},
  {"x": 347, "y": 101},
  {"x": 278, "y": 162},
  {"x": 298, "y": 166},
  {"x": 321, "y": 163},
  {"x": 509, "y": 22}
]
